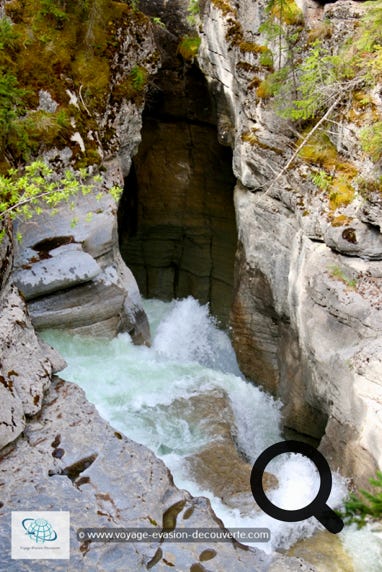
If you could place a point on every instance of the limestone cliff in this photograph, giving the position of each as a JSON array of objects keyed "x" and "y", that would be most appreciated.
[
  {"x": 306, "y": 312},
  {"x": 60, "y": 453},
  {"x": 67, "y": 264}
]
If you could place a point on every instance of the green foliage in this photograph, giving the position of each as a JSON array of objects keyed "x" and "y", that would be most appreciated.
[
  {"x": 55, "y": 45},
  {"x": 272, "y": 84},
  {"x": 24, "y": 194},
  {"x": 323, "y": 83},
  {"x": 266, "y": 59},
  {"x": 193, "y": 12},
  {"x": 322, "y": 180},
  {"x": 371, "y": 140},
  {"x": 371, "y": 31},
  {"x": 364, "y": 506},
  {"x": 283, "y": 27},
  {"x": 134, "y": 4},
  {"x": 11, "y": 103},
  {"x": 319, "y": 150},
  {"x": 158, "y": 22},
  {"x": 138, "y": 77},
  {"x": 188, "y": 47},
  {"x": 285, "y": 11},
  {"x": 369, "y": 187},
  {"x": 319, "y": 70},
  {"x": 322, "y": 76},
  {"x": 116, "y": 192},
  {"x": 8, "y": 36},
  {"x": 340, "y": 275},
  {"x": 56, "y": 9}
]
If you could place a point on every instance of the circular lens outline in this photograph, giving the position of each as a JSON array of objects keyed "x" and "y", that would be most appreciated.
[{"x": 317, "y": 507}]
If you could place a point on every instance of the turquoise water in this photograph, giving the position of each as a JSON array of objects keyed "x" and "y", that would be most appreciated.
[{"x": 132, "y": 386}]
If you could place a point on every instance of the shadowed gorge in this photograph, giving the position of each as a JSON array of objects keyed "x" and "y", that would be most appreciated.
[
  {"x": 176, "y": 218},
  {"x": 227, "y": 156}
]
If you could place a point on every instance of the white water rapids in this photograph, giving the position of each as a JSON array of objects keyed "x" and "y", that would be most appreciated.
[{"x": 190, "y": 355}]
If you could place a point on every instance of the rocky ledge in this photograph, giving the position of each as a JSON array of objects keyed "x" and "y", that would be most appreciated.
[
  {"x": 68, "y": 458},
  {"x": 69, "y": 269}
]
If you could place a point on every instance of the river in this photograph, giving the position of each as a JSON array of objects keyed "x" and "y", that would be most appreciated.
[{"x": 134, "y": 388}]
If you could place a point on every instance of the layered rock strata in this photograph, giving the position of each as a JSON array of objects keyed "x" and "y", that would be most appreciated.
[
  {"x": 69, "y": 269},
  {"x": 177, "y": 221},
  {"x": 70, "y": 459},
  {"x": 307, "y": 302}
]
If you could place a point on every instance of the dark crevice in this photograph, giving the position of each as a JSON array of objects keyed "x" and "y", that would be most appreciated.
[
  {"x": 51, "y": 243},
  {"x": 73, "y": 471},
  {"x": 176, "y": 217}
]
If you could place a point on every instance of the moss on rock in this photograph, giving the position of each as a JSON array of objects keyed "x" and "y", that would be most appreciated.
[{"x": 84, "y": 55}]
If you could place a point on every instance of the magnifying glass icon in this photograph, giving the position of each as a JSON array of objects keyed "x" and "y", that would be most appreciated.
[{"x": 318, "y": 507}]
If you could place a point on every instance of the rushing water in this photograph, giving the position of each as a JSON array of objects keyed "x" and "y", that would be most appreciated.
[{"x": 132, "y": 385}]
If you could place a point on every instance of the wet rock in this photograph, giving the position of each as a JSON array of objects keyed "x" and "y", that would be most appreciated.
[
  {"x": 218, "y": 467},
  {"x": 324, "y": 551}
]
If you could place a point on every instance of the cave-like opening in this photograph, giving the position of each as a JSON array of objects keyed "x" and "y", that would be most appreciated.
[{"x": 176, "y": 217}]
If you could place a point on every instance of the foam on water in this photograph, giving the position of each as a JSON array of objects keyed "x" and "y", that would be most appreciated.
[{"x": 189, "y": 355}]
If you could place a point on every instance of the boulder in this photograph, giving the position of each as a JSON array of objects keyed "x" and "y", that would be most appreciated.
[
  {"x": 218, "y": 466},
  {"x": 73, "y": 275},
  {"x": 62, "y": 270}
]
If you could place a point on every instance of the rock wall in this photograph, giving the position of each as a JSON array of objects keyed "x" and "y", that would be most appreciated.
[
  {"x": 25, "y": 366},
  {"x": 176, "y": 220},
  {"x": 306, "y": 311},
  {"x": 73, "y": 276},
  {"x": 70, "y": 459},
  {"x": 67, "y": 265}
]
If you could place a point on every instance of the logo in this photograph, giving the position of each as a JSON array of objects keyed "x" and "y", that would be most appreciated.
[
  {"x": 39, "y": 530},
  {"x": 40, "y": 535}
]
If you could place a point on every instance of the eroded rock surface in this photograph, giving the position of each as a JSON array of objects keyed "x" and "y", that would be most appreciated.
[
  {"x": 177, "y": 221},
  {"x": 70, "y": 459},
  {"x": 25, "y": 367},
  {"x": 219, "y": 467},
  {"x": 306, "y": 312},
  {"x": 72, "y": 273}
]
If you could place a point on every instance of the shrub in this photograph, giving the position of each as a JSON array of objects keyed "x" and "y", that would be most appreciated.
[
  {"x": 266, "y": 59},
  {"x": 25, "y": 193},
  {"x": 286, "y": 11},
  {"x": 371, "y": 140},
  {"x": 364, "y": 506},
  {"x": 8, "y": 36},
  {"x": 138, "y": 77},
  {"x": 189, "y": 47}
]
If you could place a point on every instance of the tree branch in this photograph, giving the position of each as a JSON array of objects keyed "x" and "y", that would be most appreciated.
[{"x": 303, "y": 143}]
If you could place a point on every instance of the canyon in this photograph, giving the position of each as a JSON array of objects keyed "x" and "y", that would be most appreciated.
[{"x": 216, "y": 204}]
